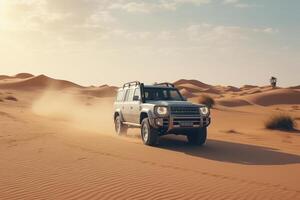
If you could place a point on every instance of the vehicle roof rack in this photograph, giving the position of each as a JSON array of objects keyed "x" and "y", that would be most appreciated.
[
  {"x": 165, "y": 84},
  {"x": 133, "y": 83}
]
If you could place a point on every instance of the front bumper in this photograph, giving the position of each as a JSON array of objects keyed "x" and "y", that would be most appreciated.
[{"x": 173, "y": 123}]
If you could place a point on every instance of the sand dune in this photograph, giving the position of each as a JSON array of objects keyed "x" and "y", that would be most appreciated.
[
  {"x": 195, "y": 86},
  {"x": 4, "y": 77},
  {"x": 190, "y": 88},
  {"x": 187, "y": 93},
  {"x": 38, "y": 82},
  {"x": 23, "y": 75},
  {"x": 234, "y": 97},
  {"x": 25, "y": 81},
  {"x": 275, "y": 97},
  {"x": 102, "y": 91},
  {"x": 211, "y": 90},
  {"x": 18, "y": 76},
  {"x": 263, "y": 98},
  {"x": 77, "y": 156},
  {"x": 253, "y": 91},
  {"x": 296, "y": 87},
  {"x": 233, "y": 102},
  {"x": 60, "y": 144},
  {"x": 224, "y": 89},
  {"x": 232, "y": 89},
  {"x": 247, "y": 87},
  {"x": 191, "y": 82}
]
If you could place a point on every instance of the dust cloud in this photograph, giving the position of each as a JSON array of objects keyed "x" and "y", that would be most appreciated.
[{"x": 79, "y": 111}]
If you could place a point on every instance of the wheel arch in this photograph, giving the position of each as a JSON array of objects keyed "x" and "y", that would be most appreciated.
[
  {"x": 118, "y": 113},
  {"x": 143, "y": 115},
  {"x": 146, "y": 112}
]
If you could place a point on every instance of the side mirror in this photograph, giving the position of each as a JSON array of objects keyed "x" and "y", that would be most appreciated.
[{"x": 136, "y": 98}]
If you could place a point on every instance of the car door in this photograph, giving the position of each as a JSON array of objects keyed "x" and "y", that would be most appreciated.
[
  {"x": 126, "y": 108},
  {"x": 134, "y": 107},
  {"x": 119, "y": 101}
]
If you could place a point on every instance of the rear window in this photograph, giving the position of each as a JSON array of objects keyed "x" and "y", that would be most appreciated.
[{"x": 120, "y": 96}]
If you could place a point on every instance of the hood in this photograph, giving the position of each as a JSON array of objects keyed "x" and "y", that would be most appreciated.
[{"x": 173, "y": 103}]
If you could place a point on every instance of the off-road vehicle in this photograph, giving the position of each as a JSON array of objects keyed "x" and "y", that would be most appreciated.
[{"x": 157, "y": 110}]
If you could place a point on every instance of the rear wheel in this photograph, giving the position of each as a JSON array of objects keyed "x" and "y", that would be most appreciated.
[
  {"x": 148, "y": 133},
  {"x": 119, "y": 126},
  {"x": 197, "y": 137}
]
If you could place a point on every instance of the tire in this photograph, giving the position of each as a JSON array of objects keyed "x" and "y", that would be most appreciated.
[
  {"x": 119, "y": 127},
  {"x": 197, "y": 137},
  {"x": 148, "y": 133}
]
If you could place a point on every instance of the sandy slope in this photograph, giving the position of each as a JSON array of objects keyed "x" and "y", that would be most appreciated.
[
  {"x": 246, "y": 95},
  {"x": 60, "y": 145}
]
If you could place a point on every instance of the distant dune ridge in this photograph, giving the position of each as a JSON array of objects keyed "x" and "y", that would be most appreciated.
[
  {"x": 20, "y": 75},
  {"x": 224, "y": 95},
  {"x": 246, "y": 95},
  {"x": 233, "y": 102},
  {"x": 25, "y": 81},
  {"x": 187, "y": 92},
  {"x": 37, "y": 82},
  {"x": 247, "y": 87},
  {"x": 296, "y": 87},
  {"x": 4, "y": 77},
  {"x": 191, "y": 82},
  {"x": 274, "y": 97},
  {"x": 24, "y": 75}
]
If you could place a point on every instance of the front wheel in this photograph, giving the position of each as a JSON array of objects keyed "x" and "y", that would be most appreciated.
[
  {"x": 148, "y": 133},
  {"x": 197, "y": 137},
  {"x": 119, "y": 126}
]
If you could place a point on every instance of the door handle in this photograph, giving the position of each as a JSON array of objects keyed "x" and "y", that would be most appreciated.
[{"x": 131, "y": 107}]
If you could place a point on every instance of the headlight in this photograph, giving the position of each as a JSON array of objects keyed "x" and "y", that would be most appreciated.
[
  {"x": 161, "y": 110},
  {"x": 204, "y": 110}
]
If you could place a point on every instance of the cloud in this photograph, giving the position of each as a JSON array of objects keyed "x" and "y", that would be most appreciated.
[
  {"x": 266, "y": 30},
  {"x": 146, "y": 7},
  {"x": 238, "y": 4},
  {"x": 63, "y": 19},
  {"x": 230, "y": 1},
  {"x": 48, "y": 25},
  {"x": 135, "y": 7},
  {"x": 215, "y": 34},
  {"x": 221, "y": 37}
]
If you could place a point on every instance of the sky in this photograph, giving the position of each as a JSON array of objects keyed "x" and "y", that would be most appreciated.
[{"x": 94, "y": 42}]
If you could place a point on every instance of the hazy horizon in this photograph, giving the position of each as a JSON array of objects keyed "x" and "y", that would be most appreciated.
[{"x": 90, "y": 42}]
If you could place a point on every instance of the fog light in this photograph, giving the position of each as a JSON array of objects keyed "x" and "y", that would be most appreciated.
[{"x": 159, "y": 122}]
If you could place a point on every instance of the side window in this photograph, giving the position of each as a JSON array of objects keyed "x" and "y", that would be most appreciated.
[
  {"x": 126, "y": 95},
  {"x": 137, "y": 94},
  {"x": 120, "y": 96},
  {"x": 129, "y": 95}
]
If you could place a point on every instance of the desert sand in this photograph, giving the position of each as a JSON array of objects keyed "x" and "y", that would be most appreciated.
[{"x": 57, "y": 142}]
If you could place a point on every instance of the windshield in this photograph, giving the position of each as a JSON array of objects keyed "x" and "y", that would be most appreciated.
[{"x": 162, "y": 94}]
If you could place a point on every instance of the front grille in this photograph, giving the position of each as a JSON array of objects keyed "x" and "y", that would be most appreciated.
[
  {"x": 190, "y": 122},
  {"x": 186, "y": 122},
  {"x": 187, "y": 110},
  {"x": 165, "y": 122}
]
